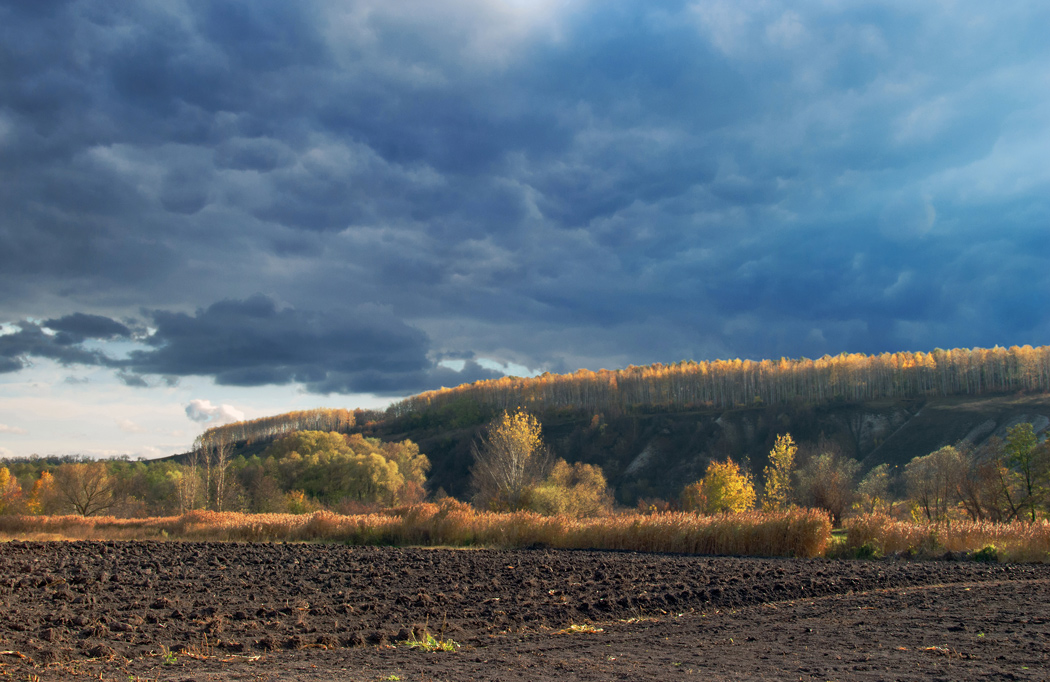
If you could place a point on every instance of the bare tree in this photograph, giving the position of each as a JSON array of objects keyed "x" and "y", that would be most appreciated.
[
  {"x": 826, "y": 479},
  {"x": 213, "y": 449}
]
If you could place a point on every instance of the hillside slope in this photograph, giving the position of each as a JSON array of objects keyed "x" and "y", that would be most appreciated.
[{"x": 656, "y": 454}]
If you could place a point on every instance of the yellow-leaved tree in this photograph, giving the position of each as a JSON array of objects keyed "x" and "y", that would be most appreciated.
[
  {"x": 10, "y": 493},
  {"x": 334, "y": 468},
  {"x": 777, "y": 494},
  {"x": 43, "y": 493},
  {"x": 725, "y": 488},
  {"x": 574, "y": 490},
  {"x": 509, "y": 460}
]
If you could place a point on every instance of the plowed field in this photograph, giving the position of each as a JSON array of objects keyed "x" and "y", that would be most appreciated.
[{"x": 187, "y": 611}]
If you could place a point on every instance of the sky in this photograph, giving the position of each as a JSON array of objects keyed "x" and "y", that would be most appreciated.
[{"x": 222, "y": 209}]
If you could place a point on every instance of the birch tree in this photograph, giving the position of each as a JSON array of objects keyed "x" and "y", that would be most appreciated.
[{"x": 509, "y": 459}]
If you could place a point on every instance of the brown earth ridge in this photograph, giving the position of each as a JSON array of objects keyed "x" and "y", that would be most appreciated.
[{"x": 189, "y": 611}]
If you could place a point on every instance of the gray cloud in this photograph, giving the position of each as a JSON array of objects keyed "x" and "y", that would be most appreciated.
[
  {"x": 594, "y": 185},
  {"x": 31, "y": 340},
  {"x": 80, "y": 326}
]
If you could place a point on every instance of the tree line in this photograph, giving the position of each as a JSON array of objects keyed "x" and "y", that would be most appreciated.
[
  {"x": 733, "y": 383},
  {"x": 269, "y": 428},
  {"x": 999, "y": 481},
  {"x": 299, "y": 472},
  {"x": 513, "y": 469}
]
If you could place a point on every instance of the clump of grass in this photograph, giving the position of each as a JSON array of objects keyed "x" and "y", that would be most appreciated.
[
  {"x": 431, "y": 643},
  {"x": 576, "y": 629}
]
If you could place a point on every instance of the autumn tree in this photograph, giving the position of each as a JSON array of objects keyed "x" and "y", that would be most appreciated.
[
  {"x": 332, "y": 467},
  {"x": 725, "y": 488},
  {"x": 84, "y": 487},
  {"x": 778, "y": 488},
  {"x": 509, "y": 460},
  {"x": 211, "y": 453},
  {"x": 412, "y": 465},
  {"x": 42, "y": 496},
  {"x": 979, "y": 482},
  {"x": 932, "y": 482},
  {"x": 873, "y": 492},
  {"x": 10, "y": 493},
  {"x": 573, "y": 490},
  {"x": 825, "y": 481}
]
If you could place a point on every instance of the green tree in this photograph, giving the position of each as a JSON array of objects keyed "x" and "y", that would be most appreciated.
[
  {"x": 509, "y": 460},
  {"x": 777, "y": 494},
  {"x": 725, "y": 488},
  {"x": 1030, "y": 460}
]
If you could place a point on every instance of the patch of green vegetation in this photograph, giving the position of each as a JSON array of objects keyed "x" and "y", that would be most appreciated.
[
  {"x": 431, "y": 643},
  {"x": 869, "y": 550},
  {"x": 988, "y": 554}
]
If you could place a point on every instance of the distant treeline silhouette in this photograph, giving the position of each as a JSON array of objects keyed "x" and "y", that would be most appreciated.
[{"x": 735, "y": 383}]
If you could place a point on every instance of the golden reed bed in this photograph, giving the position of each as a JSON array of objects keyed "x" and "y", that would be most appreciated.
[
  {"x": 793, "y": 533},
  {"x": 1019, "y": 541}
]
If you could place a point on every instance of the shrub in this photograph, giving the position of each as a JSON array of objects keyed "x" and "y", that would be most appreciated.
[{"x": 988, "y": 554}]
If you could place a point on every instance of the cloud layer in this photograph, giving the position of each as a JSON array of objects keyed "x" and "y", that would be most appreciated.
[{"x": 340, "y": 195}]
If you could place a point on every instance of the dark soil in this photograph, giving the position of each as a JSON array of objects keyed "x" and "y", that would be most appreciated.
[{"x": 186, "y": 611}]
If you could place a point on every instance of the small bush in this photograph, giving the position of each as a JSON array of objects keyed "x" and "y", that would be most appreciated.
[
  {"x": 868, "y": 550},
  {"x": 988, "y": 554}
]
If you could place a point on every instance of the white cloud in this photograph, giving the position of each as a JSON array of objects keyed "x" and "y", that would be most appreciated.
[
  {"x": 4, "y": 428},
  {"x": 203, "y": 411}
]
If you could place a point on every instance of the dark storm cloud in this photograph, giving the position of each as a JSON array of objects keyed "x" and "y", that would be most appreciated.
[
  {"x": 593, "y": 184},
  {"x": 254, "y": 342},
  {"x": 80, "y": 326}
]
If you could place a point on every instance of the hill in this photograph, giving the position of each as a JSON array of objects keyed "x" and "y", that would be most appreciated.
[
  {"x": 656, "y": 454},
  {"x": 655, "y": 428}
]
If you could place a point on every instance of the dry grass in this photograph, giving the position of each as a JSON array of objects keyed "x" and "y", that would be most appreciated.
[
  {"x": 797, "y": 533},
  {"x": 1018, "y": 541}
]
